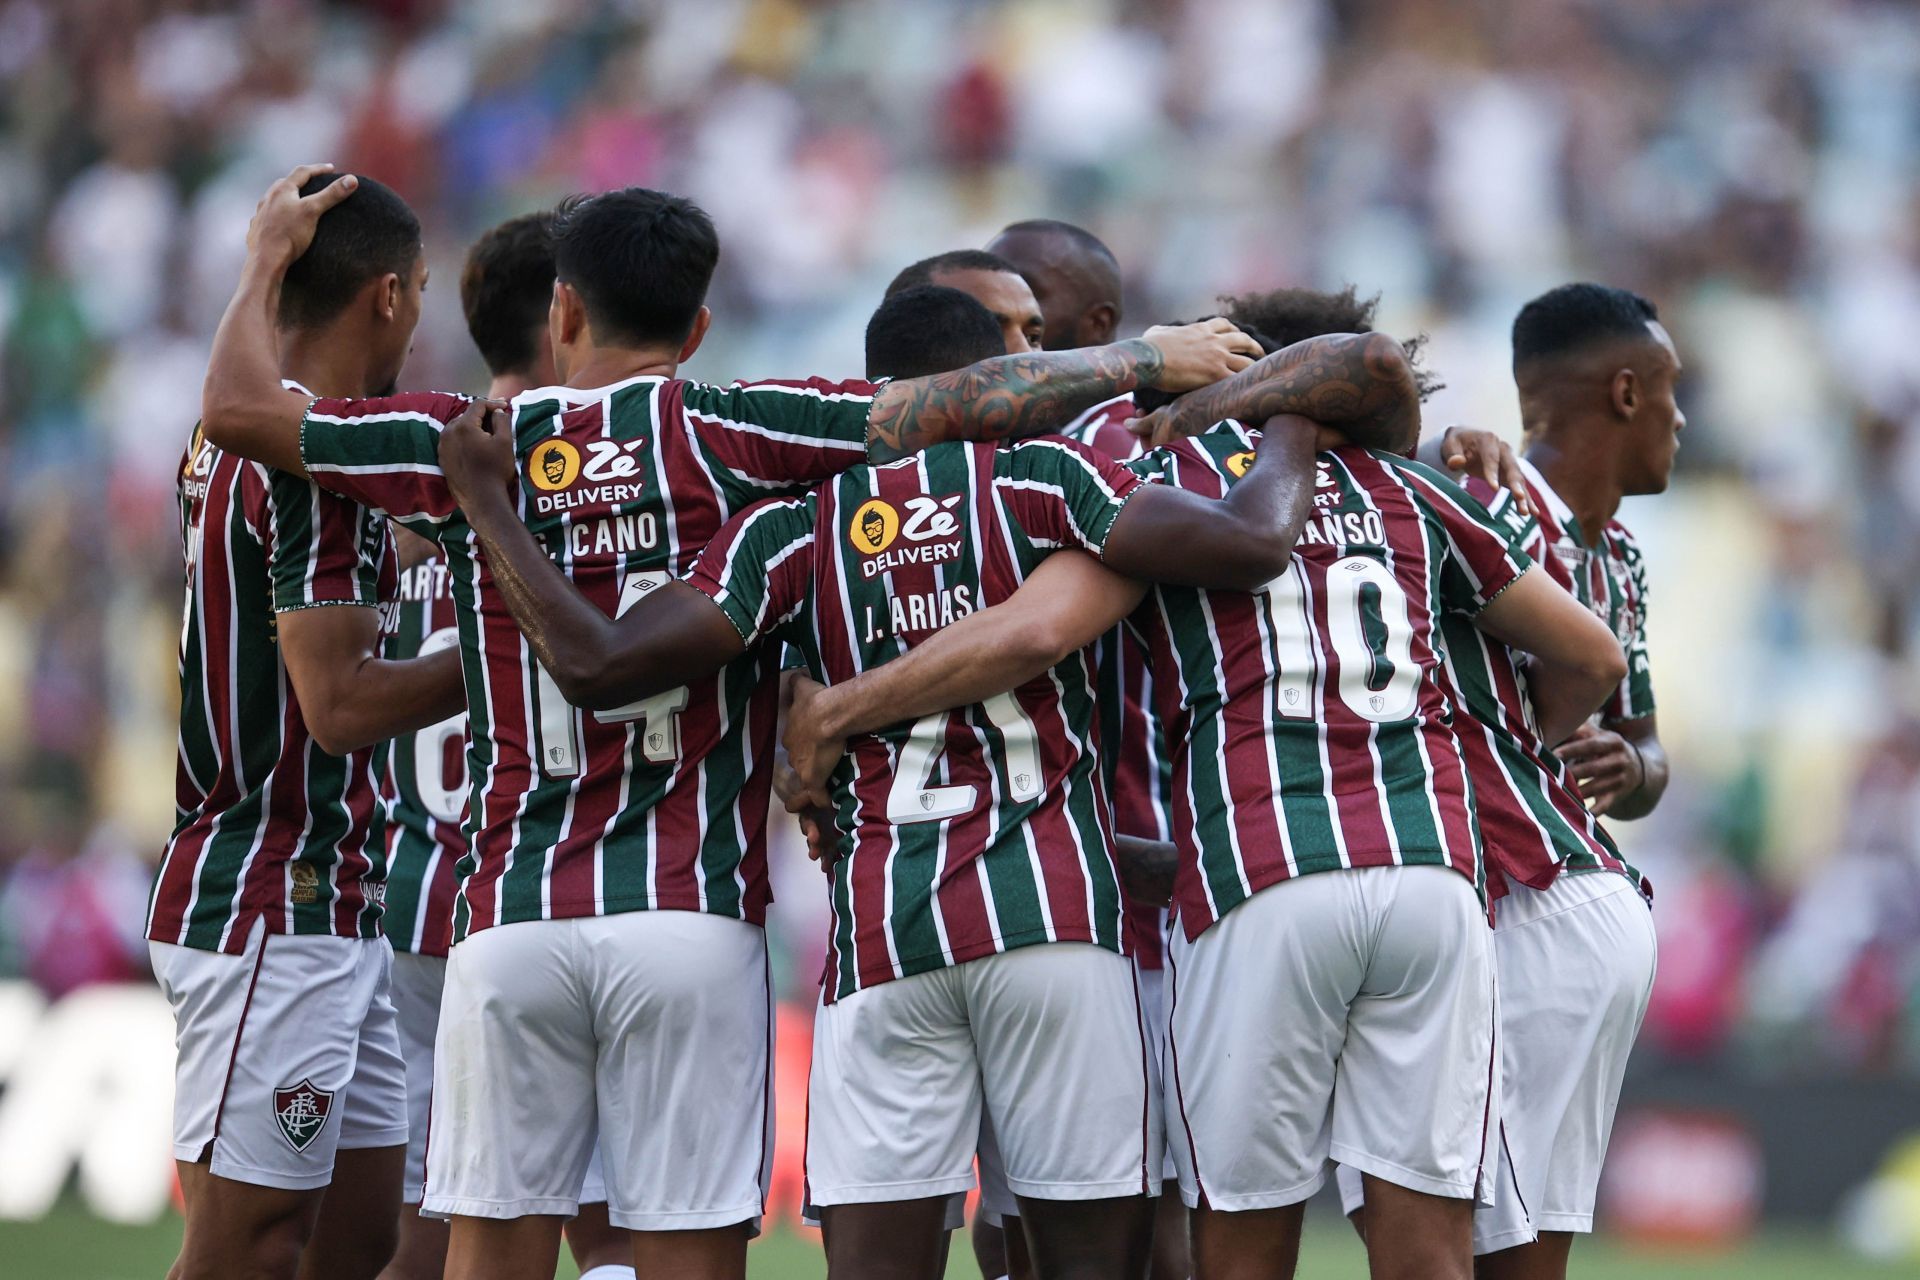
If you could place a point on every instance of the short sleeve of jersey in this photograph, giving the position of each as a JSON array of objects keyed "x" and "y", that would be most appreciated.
[
  {"x": 1483, "y": 557},
  {"x": 782, "y": 433},
  {"x": 1063, "y": 494},
  {"x": 321, "y": 548},
  {"x": 382, "y": 452},
  {"x": 1522, "y": 529},
  {"x": 1634, "y": 698},
  {"x": 759, "y": 567}
]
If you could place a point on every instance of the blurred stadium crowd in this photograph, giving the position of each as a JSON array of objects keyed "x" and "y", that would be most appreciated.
[{"x": 1748, "y": 164}]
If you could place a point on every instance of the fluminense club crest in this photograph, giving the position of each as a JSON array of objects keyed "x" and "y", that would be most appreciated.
[{"x": 302, "y": 1112}]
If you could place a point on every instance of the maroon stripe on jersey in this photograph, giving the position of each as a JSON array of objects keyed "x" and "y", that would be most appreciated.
[{"x": 510, "y": 780}]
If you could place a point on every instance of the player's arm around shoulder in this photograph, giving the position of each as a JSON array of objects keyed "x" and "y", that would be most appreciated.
[
  {"x": 1238, "y": 542},
  {"x": 1067, "y": 602}
]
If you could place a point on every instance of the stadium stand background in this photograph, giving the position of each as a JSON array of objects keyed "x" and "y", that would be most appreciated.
[{"x": 1749, "y": 164}]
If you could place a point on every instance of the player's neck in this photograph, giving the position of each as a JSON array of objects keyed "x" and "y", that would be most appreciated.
[
  {"x": 325, "y": 363},
  {"x": 1584, "y": 476},
  {"x": 603, "y": 366},
  {"x": 505, "y": 386}
]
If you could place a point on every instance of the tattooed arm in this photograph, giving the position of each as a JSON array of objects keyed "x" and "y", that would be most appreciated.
[
  {"x": 1011, "y": 397},
  {"x": 1359, "y": 384}
]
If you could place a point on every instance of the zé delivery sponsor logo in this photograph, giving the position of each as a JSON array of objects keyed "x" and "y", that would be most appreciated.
[
  {"x": 607, "y": 475},
  {"x": 929, "y": 532}
]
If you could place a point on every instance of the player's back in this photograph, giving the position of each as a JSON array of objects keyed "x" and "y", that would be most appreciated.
[
  {"x": 267, "y": 825},
  {"x": 1312, "y": 733},
  {"x": 970, "y": 831},
  {"x": 659, "y": 804}
]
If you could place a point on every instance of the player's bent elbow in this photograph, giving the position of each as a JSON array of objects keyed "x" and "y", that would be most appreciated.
[{"x": 336, "y": 735}]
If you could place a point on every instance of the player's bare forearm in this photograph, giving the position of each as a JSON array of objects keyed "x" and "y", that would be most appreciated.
[
  {"x": 1067, "y": 603},
  {"x": 1360, "y": 384},
  {"x": 1643, "y": 734},
  {"x": 1577, "y": 662},
  {"x": 243, "y": 408},
  {"x": 350, "y": 697},
  {"x": 1237, "y": 543},
  {"x": 1147, "y": 868},
  {"x": 1005, "y": 398},
  {"x": 673, "y": 637}
]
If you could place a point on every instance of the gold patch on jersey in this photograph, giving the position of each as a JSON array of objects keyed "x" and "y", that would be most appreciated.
[
  {"x": 553, "y": 465},
  {"x": 306, "y": 882},
  {"x": 1239, "y": 463},
  {"x": 875, "y": 525}
]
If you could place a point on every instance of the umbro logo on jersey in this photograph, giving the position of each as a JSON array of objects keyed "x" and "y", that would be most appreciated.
[{"x": 301, "y": 1111}]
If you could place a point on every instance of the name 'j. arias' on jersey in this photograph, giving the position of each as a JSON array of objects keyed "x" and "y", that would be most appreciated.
[
  {"x": 971, "y": 831},
  {"x": 423, "y": 778},
  {"x": 1309, "y": 731},
  {"x": 661, "y": 803},
  {"x": 267, "y": 825}
]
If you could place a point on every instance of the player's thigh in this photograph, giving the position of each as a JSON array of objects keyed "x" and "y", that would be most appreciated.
[
  {"x": 1564, "y": 1069},
  {"x": 1256, "y": 1018},
  {"x": 242, "y": 1228},
  {"x": 682, "y": 1014},
  {"x": 512, "y": 1122},
  {"x": 357, "y": 1230},
  {"x": 886, "y": 1240},
  {"x": 1067, "y": 1066},
  {"x": 268, "y": 1045},
  {"x": 417, "y": 985},
  {"x": 1415, "y": 1100},
  {"x": 893, "y": 1097}
]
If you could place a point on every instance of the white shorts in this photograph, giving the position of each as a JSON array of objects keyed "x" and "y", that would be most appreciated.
[
  {"x": 651, "y": 1029},
  {"x": 1576, "y": 966},
  {"x": 1048, "y": 1039},
  {"x": 1345, "y": 1015},
  {"x": 417, "y": 983},
  {"x": 287, "y": 1053}
]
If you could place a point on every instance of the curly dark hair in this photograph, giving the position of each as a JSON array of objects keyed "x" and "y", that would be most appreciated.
[{"x": 1279, "y": 318}]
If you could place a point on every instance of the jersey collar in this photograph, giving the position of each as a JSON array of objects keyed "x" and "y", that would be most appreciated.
[{"x": 1557, "y": 510}]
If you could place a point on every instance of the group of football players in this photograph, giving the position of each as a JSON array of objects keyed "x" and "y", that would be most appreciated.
[{"x": 1207, "y": 791}]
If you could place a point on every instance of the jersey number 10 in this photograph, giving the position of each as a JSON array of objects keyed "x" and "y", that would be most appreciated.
[{"x": 1369, "y": 632}]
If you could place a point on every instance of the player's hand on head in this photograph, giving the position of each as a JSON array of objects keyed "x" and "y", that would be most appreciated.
[
  {"x": 284, "y": 221},
  {"x": 1604, "y": 764},
  {"x": 1471, "y": 451},
  {"x": 1196, "y": 355},
  {"x": 476, "y": 452}
]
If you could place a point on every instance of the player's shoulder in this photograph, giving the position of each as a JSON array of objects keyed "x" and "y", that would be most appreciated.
[
  {"x": 775, "y": 390},
  {"x": 1220, "y": 447},
  {"x": 436, "y": 406}
]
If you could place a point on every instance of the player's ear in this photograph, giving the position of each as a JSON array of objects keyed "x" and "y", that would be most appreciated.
[
  {"x": 1625, "y": 391},
  {"x": 701, "y": 322},
  {"x": 386, "y": 295},
  {"x": 567, "y": 316},
  {"x": 1098, "y": 324}
]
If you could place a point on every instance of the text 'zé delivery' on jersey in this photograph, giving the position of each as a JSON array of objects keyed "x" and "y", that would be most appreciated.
[
  {"x": 267, "y": 826},
  {"x": 1309, "y": 730},
  {"x": 971, "y": 831},
  {"x": 423, "y": 777},
  {"x": 660, "y": 804}
]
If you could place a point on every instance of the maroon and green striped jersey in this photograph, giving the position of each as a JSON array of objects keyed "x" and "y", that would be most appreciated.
[
  {"x": 971, "y": 831},
  {"x": 1139, "y": 770},
  {"x": 423, "y": 778},
  {"x": 1609, "y": 576},
  {"x": 1532, "y": 820},
  {"x": 660, "y": 804},
  {"x": 1309, "y": 727},
  {"x": 267, "y": 825}
]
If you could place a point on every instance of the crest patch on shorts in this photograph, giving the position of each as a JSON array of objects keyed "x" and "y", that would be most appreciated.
[{"x": 302, "y": 1111}]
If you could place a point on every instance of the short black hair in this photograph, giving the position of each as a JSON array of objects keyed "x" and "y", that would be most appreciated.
[
  {"x": 922, "y": 272},
  {"x": 929, "y": 329},
  {"x": 1575, "y": 316},
  {"x": 640, "y": 259},
  {"x": 1081, "y": 237},
  {"x": 367, "y": 235},
  {"x": 505, "y": 290}
]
